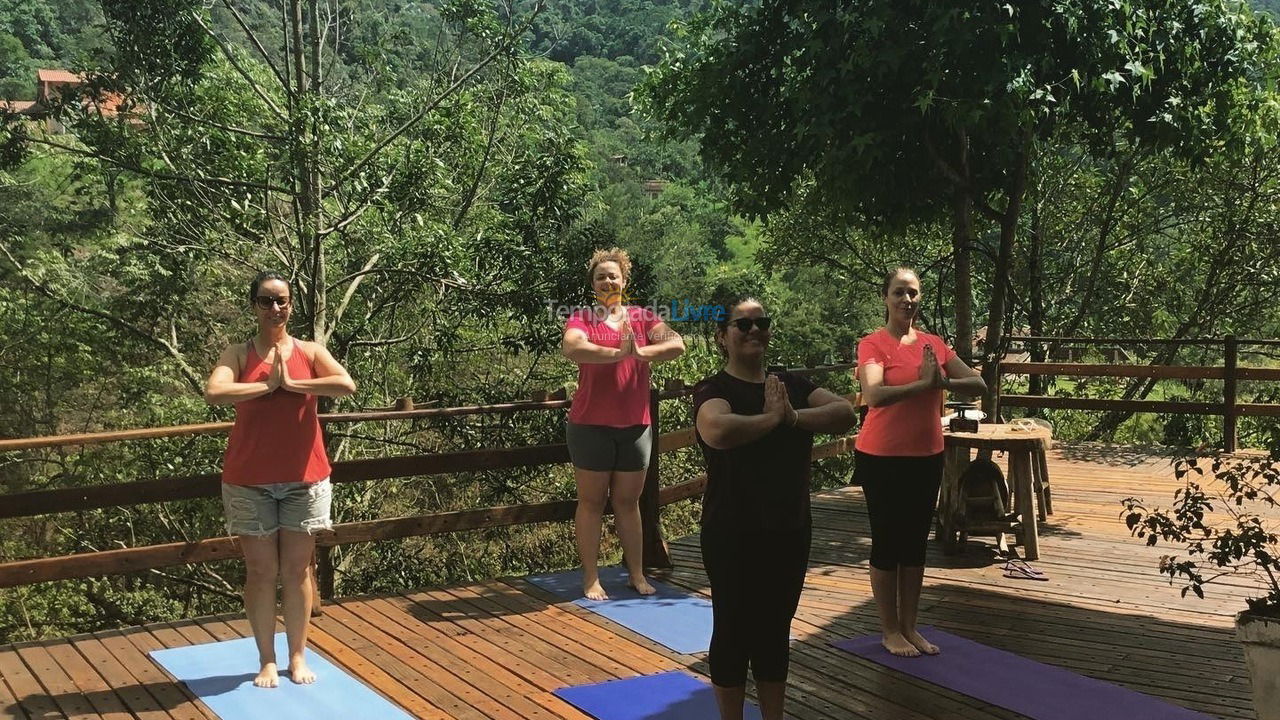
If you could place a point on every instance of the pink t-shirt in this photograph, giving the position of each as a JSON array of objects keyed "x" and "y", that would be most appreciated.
[
  {"x": 614, "y": 394},
  {"x": 912, "y": 426}
]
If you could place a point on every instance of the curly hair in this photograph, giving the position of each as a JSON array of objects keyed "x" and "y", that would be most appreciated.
[{"x": 614, "y": 254}]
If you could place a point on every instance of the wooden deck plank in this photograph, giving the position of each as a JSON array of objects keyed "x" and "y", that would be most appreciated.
[
  {"x": 8, "y": 700},
  {"x": 95, "y": 689},
  {"x": 31, "y": 696},
  {"x": 129, "y": 647},
  {"x": 134, "y": 695},
  {"x": 499, "y": 680},
  {"x": 496, "y": 650},
  {"x": 57, "y": 683},
  {"x": 157, "y": 637},
  {"x": 476, "y": 703},
  {"x": 367, "y": 669}
]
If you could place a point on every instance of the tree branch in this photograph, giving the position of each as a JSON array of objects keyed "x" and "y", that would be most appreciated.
[
  {"x": 193, "y": 179},
  {"x": 253, "y": 39},
  {"x": 193, "y": 379},
  {"x": 221, "y": 126},
  {"x": 230, "y": 55},
  {"x": 417, "y": 117},
  {"x": 356, "y": 279}
]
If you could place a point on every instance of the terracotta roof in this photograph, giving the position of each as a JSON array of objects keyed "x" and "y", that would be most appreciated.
[{"x": 48, "y": 75}]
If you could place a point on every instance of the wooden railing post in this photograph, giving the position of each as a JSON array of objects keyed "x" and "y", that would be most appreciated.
[
  {"x": 1230, "y": 411},
  {"x": 656, "y": 554},
  {"x": 321, "y": 578}
]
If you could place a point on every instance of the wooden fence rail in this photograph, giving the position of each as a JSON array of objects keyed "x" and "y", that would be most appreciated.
[
  {"x": 1230, "y": 373},
  {"x": 134, "y": 559}
]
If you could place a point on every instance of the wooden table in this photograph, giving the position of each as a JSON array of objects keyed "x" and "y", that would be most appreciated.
[{"x": 1028, "y": 477}]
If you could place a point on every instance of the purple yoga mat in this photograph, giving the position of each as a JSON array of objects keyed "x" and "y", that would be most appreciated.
[{"x": 1010, "y": 681}]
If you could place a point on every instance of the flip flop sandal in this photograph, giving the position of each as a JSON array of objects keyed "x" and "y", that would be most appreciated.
[
  {"x": 1022, "y": 571},
  {"x": 1020, "y": 565}
]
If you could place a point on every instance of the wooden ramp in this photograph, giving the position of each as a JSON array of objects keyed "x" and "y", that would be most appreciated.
[{"x": 496, "y": 650}]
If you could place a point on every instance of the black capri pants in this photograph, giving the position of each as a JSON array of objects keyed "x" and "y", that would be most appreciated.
[
  {"x": 902, "y": 493},
  {"x": 756, "y": 579}
]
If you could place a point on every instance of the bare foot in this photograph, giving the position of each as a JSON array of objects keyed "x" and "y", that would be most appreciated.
[
  {"x": 299, "y": 672},
  {"x": 898, "y": 645},
  {"x": 640, "y": 584},
  {"x": 267, "y": 676},
  {"x": 594, "y": 591},
  {"x": 920, "y": 643}
]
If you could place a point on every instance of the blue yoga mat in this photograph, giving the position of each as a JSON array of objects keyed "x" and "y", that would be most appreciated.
[
  {"x": 221, "y": 675},
  {"x": 1034, "y": 689},
  {"x": 672, "y": 617},
  {"x": 672, "y": 695}
]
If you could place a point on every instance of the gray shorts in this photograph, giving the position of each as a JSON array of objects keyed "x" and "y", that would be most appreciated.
[
  {"x": 603, "y": 448},
  {"x": 264, "y": 509}
]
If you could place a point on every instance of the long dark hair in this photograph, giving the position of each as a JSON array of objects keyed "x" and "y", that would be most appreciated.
[{"x": 262, "y": 277}]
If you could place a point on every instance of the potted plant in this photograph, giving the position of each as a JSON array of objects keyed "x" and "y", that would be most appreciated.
[{"x": 1227, "y": 524}]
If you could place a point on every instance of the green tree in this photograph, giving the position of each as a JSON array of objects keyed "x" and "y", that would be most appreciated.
[
  {"x": 895, "y": 113},
  {"x": 252, "y": 157}
]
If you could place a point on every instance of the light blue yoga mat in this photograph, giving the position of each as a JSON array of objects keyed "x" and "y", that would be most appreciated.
[
  {"x": 221, "y": 675},
  {"x": 672, "y": 617},
  {"x": 672, "y": 695}
]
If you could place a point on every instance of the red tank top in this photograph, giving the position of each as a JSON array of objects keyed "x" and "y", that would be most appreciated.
[{"x": 276, "y": 437}]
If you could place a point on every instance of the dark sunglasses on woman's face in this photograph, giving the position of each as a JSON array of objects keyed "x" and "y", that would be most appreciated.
[
  {"x": 266, "y": 302},
  {"x": 744, "y": 324}
]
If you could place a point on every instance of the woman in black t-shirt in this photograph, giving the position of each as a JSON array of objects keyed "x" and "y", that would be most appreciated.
[{"x": 756, "y": 433}]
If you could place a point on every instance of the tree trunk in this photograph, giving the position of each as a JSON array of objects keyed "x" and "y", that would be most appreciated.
[
  {"x": 305, "y": 171},
  {"x": 993, "y": 348},
  {"x": 1035, "y": 312},
  {"x": 961, "y": 244}
]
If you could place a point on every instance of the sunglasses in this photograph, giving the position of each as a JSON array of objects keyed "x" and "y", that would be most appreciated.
[
  {"x": 744, "y": 324},
  {"x": 266, "y": 302}
]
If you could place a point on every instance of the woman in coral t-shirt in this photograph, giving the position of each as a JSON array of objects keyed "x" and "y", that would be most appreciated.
[
  {"x": 903, "y": 372},
  {"x": 610, "y": 432}
]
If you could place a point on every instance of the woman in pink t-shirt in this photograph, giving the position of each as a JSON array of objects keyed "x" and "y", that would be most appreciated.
[
  {"x": 898, "y": 462},
  {"x": 610, "y": 433}
]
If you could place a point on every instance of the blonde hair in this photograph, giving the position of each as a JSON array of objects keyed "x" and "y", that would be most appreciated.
[{"x": 617, "y": 255}]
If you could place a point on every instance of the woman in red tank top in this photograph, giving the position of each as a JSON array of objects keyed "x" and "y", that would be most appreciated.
[{"x": 275, "y": 477}]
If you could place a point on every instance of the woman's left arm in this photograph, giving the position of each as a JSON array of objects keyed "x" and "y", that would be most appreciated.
[
  {"x": 331, "y": 378},
  {"x": 827, "y": 413},
  {"x": 962, "y": 379},
  {"x": 664, "y": 344}
]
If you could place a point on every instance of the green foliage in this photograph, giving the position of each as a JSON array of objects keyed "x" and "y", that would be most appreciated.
[
  {"x": 606, "y": 28},
  {"x": 883, "y": 104},
  {"x": 1223, "y": 526}
]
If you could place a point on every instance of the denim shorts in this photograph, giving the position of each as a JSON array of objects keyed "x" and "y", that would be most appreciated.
[
  {"x": 603, "y": 448},
  {"x": 264, "y": 509}
]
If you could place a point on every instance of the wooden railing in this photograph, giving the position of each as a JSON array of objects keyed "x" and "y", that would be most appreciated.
[
  {"x": 1230, "y": 373},
  {"x": 133, "y": 559}
]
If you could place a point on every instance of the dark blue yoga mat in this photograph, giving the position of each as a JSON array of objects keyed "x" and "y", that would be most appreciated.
[
  {"x": 221, "y": 675},
  {"x": 672, "y": 617},
  {"x": 1037, "y": 690},
  {"x": 672, "y": 695}
]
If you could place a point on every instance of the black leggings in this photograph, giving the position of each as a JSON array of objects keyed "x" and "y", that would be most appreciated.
[
  {"x": 756, "y": 579},
  {"x": 901, "y": 493}
]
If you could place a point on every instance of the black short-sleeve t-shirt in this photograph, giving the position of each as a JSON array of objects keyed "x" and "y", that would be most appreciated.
[{"x": 763, "y": 485}]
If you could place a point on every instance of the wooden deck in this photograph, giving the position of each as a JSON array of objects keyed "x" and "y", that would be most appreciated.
[{"x": 498, "y": 649}]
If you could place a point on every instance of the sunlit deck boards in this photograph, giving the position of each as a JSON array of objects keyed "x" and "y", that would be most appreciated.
[{"x": 498, "y": 649}]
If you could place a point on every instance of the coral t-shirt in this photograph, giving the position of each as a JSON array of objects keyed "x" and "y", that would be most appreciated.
[
  {"x": 613, "y": 394},
  {"x": 911, "y": 427}
]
